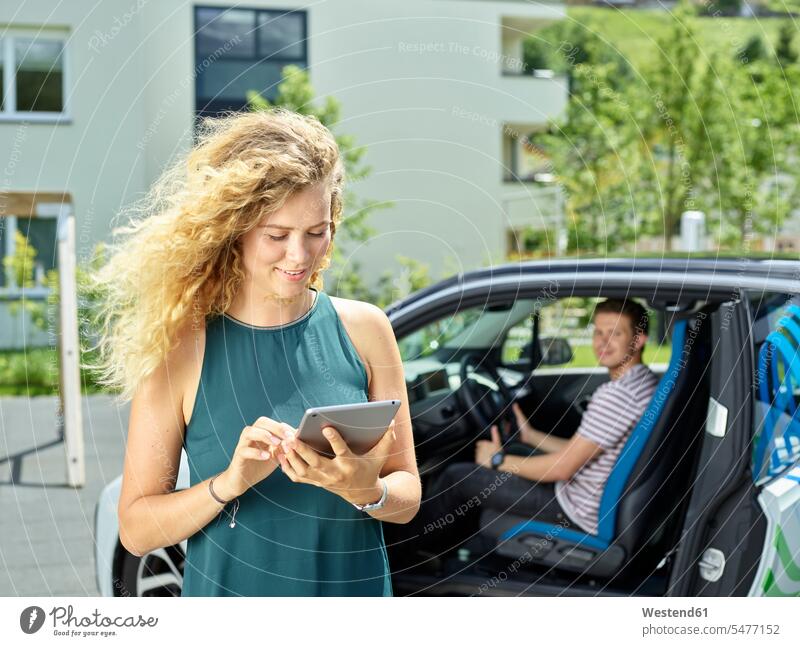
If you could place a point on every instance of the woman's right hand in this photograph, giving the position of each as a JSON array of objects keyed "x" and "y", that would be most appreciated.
[{"x": 254, "y": 458}]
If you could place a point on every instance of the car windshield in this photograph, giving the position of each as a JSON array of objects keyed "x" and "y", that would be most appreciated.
[
  {"x": 482, "y": 327},
  {"x": 475, "y": 327}
]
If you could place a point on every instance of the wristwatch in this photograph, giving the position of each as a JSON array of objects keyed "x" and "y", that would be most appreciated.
[
  {"x": 370, "y": 506},
  {"x": 497, "y": 459}
]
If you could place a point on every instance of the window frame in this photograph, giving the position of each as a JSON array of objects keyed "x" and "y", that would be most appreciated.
[
  {"x": 257, "y": 57},
  {"x": 7, "y": 42}
]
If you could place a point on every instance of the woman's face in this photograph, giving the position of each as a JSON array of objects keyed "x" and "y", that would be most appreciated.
[{"x": 283, "y": 251}]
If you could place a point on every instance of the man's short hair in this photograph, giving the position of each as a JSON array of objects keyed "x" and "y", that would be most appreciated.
[{"x": 637, "y": 315}]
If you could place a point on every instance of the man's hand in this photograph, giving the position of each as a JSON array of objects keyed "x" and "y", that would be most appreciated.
[
  {"x": 526, "y": 431},
  {"x": 485, "y": 449}
]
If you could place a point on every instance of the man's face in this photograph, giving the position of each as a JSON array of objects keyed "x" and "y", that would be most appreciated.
[{"x": 614, "y": 341}]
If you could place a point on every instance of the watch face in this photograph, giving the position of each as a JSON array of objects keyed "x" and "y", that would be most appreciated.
[{"x": 497, "y": 460}]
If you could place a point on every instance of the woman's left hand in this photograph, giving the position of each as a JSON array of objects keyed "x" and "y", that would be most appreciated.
[{"x": 353, "y": 477}]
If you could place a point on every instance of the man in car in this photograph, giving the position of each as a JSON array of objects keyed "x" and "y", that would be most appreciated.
[{"x": 562, "y": 480}]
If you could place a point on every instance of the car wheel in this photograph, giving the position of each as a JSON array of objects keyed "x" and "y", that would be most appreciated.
[{"x": 156, "y": 574}]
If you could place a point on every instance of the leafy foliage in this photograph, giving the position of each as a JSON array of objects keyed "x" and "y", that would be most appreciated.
[{"x": 693, "y": 128}]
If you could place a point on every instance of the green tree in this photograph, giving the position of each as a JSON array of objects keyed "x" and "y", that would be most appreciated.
[
  {"x": 673, "y": 127},
  {"x": 790, "y": 7},
  {"x": 296, "y": 93},
  {"x": 723, "y": 176},
  {"x": 593, "y": 151},
  {"x": 784, "y": 47},
  {"x": 565, "y": 45},
  {"x": 753, "y": 50},
  {"x": 20, "y": 264},
  {"x": 392, "y": 286},
  {"x": 758, "y": 173},
  {"x": 720, "y": 8},
  {"x": 712, "y": 134},
  {"x": 539, "y": 54},
  {"x": 35, "y": 370}
]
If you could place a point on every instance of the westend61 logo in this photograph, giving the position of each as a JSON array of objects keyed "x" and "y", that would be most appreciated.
[{"x": 32, "y": 619}]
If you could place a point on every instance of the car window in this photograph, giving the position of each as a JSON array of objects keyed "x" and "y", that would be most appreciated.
[
  {"x": 567, "y": 323},
  {"x": 426, "y": 340},
  {"x": 427, "y": 351},
  {"x": 472, "y": 328}
]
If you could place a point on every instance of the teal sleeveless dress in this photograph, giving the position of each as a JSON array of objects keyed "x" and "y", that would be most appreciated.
[{"x": 290, "y": 539}]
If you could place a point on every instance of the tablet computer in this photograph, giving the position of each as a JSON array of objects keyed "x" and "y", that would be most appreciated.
[{"x": 361, "y": 425}]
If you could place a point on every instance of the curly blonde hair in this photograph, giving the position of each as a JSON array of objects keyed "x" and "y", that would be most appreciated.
[{"x": 179, "y": 257}]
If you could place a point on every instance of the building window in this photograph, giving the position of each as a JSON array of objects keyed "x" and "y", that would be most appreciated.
[
  {"x": 238, "y": 50},
  {"x": 32, "y": 75},
  {"x": 531, "y": 242},
  {"x": 524, "y": 159},
  {"x": 40, "y": 234}
]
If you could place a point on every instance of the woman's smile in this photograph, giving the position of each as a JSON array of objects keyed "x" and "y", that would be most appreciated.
[{"x": 292, "y": 276}]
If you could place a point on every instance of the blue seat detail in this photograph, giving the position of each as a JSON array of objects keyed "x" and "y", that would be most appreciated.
[
  {"x": 781, "y": 347},
  {"x": 557, "y": 531}
]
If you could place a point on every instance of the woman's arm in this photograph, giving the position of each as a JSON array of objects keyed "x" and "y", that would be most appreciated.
[
  {"x": 372, "y": 334},
  {"x": 151, "y": 514}
]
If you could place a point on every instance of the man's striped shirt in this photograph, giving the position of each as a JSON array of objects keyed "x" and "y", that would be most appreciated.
[{"x": 612, "y": 413}]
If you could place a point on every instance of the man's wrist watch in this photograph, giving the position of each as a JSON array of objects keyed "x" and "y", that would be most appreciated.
[
  {"x": 370, "y": 506},
  {"x": 497, "y": 459}
]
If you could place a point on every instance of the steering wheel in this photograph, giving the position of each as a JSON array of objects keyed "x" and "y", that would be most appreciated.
[{"x": 486, "y": 401}]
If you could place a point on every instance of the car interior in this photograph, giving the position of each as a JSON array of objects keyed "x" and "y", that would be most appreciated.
[{"x": 464, "y": 370}]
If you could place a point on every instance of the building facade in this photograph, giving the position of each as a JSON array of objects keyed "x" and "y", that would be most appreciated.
[{"x": 106, "y": 94}]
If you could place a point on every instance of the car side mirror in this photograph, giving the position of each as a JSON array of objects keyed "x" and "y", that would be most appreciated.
[{"x": 555, "y": 351}]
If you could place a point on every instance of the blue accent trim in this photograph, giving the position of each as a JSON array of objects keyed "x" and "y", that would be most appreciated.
[
  {"x": 780, "y": 347},
  {"x": 791, "y": 325},
  {"x": 787, "y": 350},
  {"x": 794, "y": 310},
  {"x": 792, "y": 477},
  {"x": 560, "y": 533},
  {"x": 618, "y": 478}
]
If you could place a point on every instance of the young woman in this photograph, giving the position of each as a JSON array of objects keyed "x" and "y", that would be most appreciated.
[{"x": 216, "y": 327}]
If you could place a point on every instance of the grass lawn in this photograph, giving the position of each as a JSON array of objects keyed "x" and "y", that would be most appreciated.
[
  {"x": 634, "y": 32},
  {"x": 35, "y": 372}
]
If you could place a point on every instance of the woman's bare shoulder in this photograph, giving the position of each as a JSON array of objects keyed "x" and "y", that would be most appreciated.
[
  {"x": 362, "y": 321},
  {"x": 359, "y": 313}
]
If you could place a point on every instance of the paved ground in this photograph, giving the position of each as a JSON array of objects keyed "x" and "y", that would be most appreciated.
[{"x": 46, "y": 527}]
